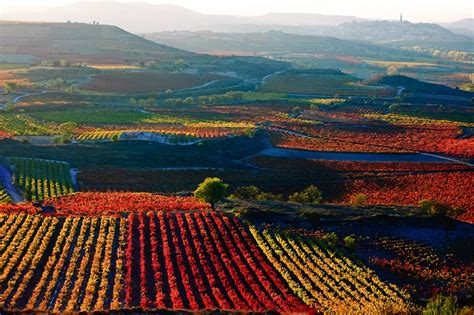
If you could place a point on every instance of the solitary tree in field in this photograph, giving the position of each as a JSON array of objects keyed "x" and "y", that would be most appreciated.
[{"x": 211, "y": 190}]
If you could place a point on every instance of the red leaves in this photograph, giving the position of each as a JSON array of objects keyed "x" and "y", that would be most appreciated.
[
  {"x": 400, "y": 138},
  {"x": 101, "y": 203},
  {"x": 200, "y": 261},
  {"x": 4, "y": 135},
  {"x": 25, "y": 208}
]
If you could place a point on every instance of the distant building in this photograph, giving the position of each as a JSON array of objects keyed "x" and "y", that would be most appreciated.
[{"x": 401, "y": 17}]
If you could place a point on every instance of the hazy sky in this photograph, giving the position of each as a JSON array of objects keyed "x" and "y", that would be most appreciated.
[{"x": 413, "y": 10}]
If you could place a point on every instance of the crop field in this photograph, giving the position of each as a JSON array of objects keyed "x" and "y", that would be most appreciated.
[
  {"x": 4, "y": 197},
  {"x": 179, "y": 260},
  {"x": 25, "y": 125},
  {"x": 384, "y": 183},
  {"x": 168, "y": 135},
  {"x": 418, "y": 263},
  {"x": 378, "y": 138},
  {"x": 97, "y": 203},
  {"x": 142, "y": 82},
  {"x": 8, "y": 75},
  {"x": 322, "y": 84},
  {"x": 41, "y": 179},
  {"x": 329, "y": 282}
]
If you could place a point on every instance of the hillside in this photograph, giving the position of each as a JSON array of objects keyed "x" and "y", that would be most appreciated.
[
  {"x": 400, "y": 34},
  {"x": 464, "y": 26},
  {"x": 416, "y": 86},
  {"x": 29, "y": 42},
  {"x": 74, "y": 41},
  {"x": 272, "y": 42}
]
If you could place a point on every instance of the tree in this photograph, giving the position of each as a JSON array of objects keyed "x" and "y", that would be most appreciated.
[
  {"x": 133, "y": 101},
  {"x": 211, "y": 190},
  {"x": 311, "y": 194}
]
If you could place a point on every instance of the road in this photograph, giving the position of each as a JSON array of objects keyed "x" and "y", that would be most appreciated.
[{"x": 6, "y": 179}]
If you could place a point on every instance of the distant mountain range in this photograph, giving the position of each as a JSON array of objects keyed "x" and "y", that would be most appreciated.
[
  {"x": 140, "y": 18},
  {"x": 146, "y": 18}
]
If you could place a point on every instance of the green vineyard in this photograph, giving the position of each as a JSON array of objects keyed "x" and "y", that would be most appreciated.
[
  {"x": 41, "y": 179},
  {"x": 4, "y": 197}
]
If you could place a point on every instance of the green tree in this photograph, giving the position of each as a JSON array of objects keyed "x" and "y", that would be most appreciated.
[
  {"x": 211, "y": 190},
  {"x": 311, "y": 194}
]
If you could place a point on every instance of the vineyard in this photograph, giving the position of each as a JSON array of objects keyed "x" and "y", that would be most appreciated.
[
  {"x": 327, "y": 281},
  {"x": 41, "y": 179},
  {"x": 418, "y": 263},
  {"x": 165, "y": 135},
  {"x": 330, "y": 83},
  {"x": 99, "y": 203},
  {"x": 4, "y": 197},
  {"x": 407, "y": 138},
  {"x": 178, "y": 261}
]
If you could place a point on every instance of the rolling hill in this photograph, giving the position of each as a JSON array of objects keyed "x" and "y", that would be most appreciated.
[
  {"x": 30, "y": 42},
  {"x": 401, "y": 34},
  {"x": 273, "y": 42}
]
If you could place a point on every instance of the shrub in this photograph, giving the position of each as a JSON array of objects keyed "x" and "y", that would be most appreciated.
[
  {"x": 433, "y": 208},
  {"x": 359, "y": 199},
  {"x": 311, "y": 194},
  {"x": 442, "y": 305},
  {"x": 350, "y": 242},
  {"x": 255, "y": 193},
  {"x": 331, "y": 239}
]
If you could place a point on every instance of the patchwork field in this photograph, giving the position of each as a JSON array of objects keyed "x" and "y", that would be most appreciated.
[{"x": 142, "y": 82}]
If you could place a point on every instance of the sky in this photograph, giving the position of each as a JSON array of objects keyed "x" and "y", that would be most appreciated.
[{"x": 413, "y": 10}]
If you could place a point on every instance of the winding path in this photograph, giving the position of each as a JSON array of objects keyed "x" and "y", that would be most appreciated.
[{"x": 6, "y": 179}]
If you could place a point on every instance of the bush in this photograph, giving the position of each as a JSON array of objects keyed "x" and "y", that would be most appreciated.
[
  {"x": 445, "y": 305},
  {"x": 331, "y": 239},
  {"x": 350, "y": 242},
  {"x": 255, "y": 193},
  {"x": 433, "y": 208},
  {"x": 359, "y": 199},
  {"x": 247, "y": 193},
  {"x": 311, "y": 194}
]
